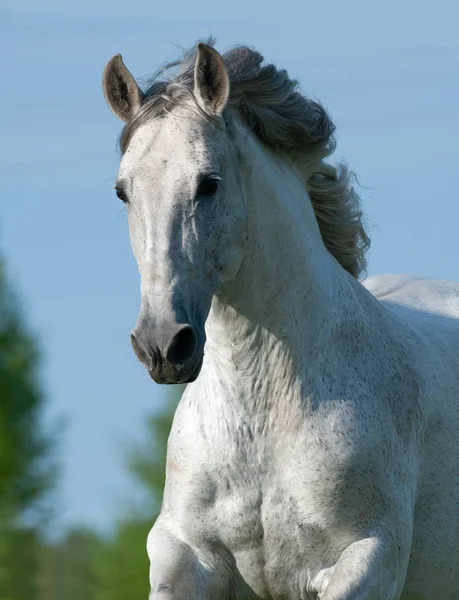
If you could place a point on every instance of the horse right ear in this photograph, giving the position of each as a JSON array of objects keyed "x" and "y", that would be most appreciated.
[{"x": 121, "y": 91}]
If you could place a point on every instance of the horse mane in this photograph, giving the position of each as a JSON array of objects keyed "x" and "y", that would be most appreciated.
[{"x": 289, "y": 123}]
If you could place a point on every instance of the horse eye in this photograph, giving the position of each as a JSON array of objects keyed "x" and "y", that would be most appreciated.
[
  {"x": 208, "y": 187},
  {"x": 121, "y": 195}
]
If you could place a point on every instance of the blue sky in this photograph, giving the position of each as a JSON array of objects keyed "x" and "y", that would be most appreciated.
[{"x": 388, "y": 74}]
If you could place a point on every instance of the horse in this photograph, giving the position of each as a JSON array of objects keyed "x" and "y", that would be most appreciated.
[{"x": 315, "y": 451}]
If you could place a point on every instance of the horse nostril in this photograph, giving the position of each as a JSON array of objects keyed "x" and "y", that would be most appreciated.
[
  {"x": 182, "y": 346},
  {"x": 139, "y": 352}
]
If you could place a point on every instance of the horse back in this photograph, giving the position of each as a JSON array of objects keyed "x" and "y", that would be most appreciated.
[{"x": 426, "y": 315}]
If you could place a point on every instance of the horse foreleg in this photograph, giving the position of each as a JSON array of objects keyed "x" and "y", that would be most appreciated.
[
  {"x": 179, "y": 572},
  {"x": 370, "y": 569}
]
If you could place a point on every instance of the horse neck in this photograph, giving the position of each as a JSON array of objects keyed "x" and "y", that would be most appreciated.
[{"x": 290, "y": 295}]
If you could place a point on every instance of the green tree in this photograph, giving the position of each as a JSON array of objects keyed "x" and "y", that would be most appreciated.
[
  {"x": 122, "y": 564},
  {"x": 26, "y": 473},
  {"x": 67, "y": 567},
  {"x": 147, "y": 462}
]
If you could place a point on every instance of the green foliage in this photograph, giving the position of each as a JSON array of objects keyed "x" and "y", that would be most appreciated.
[
  {"x": 25, "y": 472},
  {"x": 19, "y": 549},
  {"x": 122, "y": 566},
  {"x": 25, "y": 469},
  {"x": 147, "y": 463},
  {"x": 86, "y": 567},
  {"x": 67, "y": 568},
  {"x": 83, "y": 565}
]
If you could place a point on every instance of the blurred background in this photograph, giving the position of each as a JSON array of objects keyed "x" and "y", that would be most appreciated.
[{"x": 82, "y": 427}]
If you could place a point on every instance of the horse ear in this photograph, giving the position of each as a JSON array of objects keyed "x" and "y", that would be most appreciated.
[
  {"x": 211, "y": 80},
  {"x": 121, "y": 91}
]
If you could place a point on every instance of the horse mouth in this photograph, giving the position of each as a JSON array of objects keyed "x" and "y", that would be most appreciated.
[
  {"x": 194, "y": 375},
  {"x": 178, "y": 377}
]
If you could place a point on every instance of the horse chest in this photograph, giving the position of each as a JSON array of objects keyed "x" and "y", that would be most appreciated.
[
  {"x": 266, "y": 496},
  {"x": 260, "y": 520}
]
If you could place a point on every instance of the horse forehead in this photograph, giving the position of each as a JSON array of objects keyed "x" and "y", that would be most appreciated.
[{"x": 174, "y": 138}]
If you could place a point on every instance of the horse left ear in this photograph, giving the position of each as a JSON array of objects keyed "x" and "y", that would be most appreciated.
[{"x": 211, "y": 81}]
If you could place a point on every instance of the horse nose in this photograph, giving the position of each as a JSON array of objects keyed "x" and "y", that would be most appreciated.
[
  {"x": 182, "y": 346},
  {"x": 176, "y": 361}
]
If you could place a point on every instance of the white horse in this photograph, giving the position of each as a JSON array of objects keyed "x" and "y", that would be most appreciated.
[{"x": 316, "y": 454}]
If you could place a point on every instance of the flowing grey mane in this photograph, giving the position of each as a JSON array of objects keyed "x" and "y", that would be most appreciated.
[{"x": 269, "y": 103}]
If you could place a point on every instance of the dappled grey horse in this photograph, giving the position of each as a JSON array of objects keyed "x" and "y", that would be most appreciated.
[{"x": 316, "y": 453}]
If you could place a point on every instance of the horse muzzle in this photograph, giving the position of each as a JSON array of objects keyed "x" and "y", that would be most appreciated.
[{"x": 178, "y": 361}]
